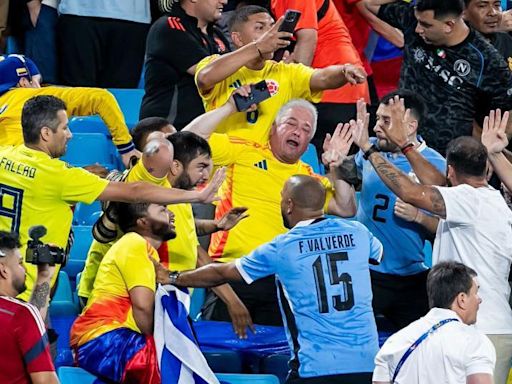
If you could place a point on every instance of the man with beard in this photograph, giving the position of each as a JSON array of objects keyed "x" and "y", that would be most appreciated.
[
  {"x": 321, "y": 266},
  {"x": 25, "y": 353},
  {"x": 113, "y": 337},
  {"x": 451, "y": 65},
  {"x": 187, "y": 167},
  {"x": 399, "y": 282}
]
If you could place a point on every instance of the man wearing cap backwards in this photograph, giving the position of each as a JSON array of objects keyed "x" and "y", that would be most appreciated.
[{"x": 20, "y": 80}]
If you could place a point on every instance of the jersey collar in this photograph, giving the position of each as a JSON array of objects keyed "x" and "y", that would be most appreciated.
[{"x": 304, "y": 223}]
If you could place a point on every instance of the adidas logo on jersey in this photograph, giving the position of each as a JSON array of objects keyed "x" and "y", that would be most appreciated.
[
  {"x": 236, "y": 84},
  {"x": 261, "y": 164}
]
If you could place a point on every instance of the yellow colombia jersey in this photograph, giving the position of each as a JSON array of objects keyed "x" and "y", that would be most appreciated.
[
  {"x": 38, "y": 190},
  {"x": 254, "y": 179},
  {"x": 125, "y": 266},
  {"x": 79, "y": 102},
  {"x": 180, "y": 253},
  {"x": 285, "y": 82}
]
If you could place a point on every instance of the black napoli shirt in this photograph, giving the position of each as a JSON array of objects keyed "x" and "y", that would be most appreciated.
[
  {"x": 174, "y": 44},
  {"x": 455, "y": 81}
]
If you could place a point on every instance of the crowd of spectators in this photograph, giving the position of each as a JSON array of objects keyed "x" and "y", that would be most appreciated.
[{"x": 333, "y": 255}]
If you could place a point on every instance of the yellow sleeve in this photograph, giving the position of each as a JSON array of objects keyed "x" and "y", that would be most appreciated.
[
  {"x": 132, "y": 260},
  {"x": 97, "y": 101},
  {"x": 96, "y": 253},
  {"x": 329, "y": 189},
  {"x": 301, "y": 88},
  {"x": 225, "y": 150},
  {"x": 214, "y": 92},
  {"x": 79, "y": 185}
]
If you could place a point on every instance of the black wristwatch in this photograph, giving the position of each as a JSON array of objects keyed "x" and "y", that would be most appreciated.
[
  {"x": 373, "y": 148},
  {"x": 173, "y": 276}
]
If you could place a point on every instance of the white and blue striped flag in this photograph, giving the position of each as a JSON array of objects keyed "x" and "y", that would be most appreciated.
[{"x": 179, "y": 357}]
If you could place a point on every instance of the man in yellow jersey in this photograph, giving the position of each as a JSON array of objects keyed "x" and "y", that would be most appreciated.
[
  {"x": 256, "y": 175},
  {"x": 20, "y": 80},
  {"x": 36, "y": 188},
  {"x": 256, "y": 37},
  {"x": 113, "y": 337},
  {"x": 189, "y": 168}
]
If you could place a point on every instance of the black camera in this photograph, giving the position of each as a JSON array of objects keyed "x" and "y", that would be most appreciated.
[{"x": 40, "y": 253}]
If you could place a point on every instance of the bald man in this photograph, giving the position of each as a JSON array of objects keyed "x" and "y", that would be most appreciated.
[{"x": 323, "y": 283}]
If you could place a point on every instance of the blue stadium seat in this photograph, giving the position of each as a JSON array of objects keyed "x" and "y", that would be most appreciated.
[
  {"x": 88, "y": 124},
  {"x": 12, "y": 46},
  {"x": 428, "y": 253},
  {"x": 75, "y": 375},
  {"x": 81, "y": 244},
  {"x": 223, "y": 360},
  {"x": 90, "y": 148},
  {"x": 247, "y": 379},
  {"x": 196, "y": 302},
  {"x": 86, "y": 214},
  {"x": 129, "y": 100},
  {"x": 276, "y": 365},
  {"x": 311, "y": 157}
]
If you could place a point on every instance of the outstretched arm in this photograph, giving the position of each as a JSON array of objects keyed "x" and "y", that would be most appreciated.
[
  {"x": 335, "y": 76},
  {"x": 390, "y": 33},
  {"x": 210, "y": 275},
  {"x": 225, "y": 65},
  {"x": 204, "y": 125},
  {"x": 494, "y": 138}
]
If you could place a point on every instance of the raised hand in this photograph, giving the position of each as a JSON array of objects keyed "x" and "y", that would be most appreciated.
[
  {"x": 272, "y": 40},
  {"x": 359, "y": 127},
  {"x": 209, "y": 193},
  {"x": 397, "y": 131},
  {"x": 245, "y": 91},
  {"x": 494, "y": 137}
]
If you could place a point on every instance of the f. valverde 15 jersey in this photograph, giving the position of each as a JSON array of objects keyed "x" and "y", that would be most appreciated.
[
  {"x": 322, "y": 272},
  {"x": 453, "y": 80},
  {"x": 38, "y": 190}
]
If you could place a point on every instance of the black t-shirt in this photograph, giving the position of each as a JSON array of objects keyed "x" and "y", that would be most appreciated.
[
  {"x": 175, "y": 44},
  {"x": 453, "y": 80}
]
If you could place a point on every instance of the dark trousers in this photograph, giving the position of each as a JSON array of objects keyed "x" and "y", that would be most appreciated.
[
  {"x": 260, "y": 298},
  {"x": 100, "y": 52},
  {"x": 400, "y": 299},
  {"x": 41, "y": 42},
  {"x": 348, "y": 378}
]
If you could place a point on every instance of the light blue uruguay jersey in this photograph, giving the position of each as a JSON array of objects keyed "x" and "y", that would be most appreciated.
[
  {"x": 403, "y": 241},
  {"x": 325, "y": 294}
]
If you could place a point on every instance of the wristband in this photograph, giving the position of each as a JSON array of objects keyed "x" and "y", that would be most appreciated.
[
  {"x": 173, "y": 276},
  {"x": 407, "y": 148},
  {"x": 370, "y": 150}
]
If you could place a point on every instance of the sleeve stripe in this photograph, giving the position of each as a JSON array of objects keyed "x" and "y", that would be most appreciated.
[
  {"x": 37, "y": 318},
  {"x": 244, "y": 274},
  {"x": 36, "y": 350}
]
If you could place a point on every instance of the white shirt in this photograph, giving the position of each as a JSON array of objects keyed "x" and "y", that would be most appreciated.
[
  {"x": 477, "y": 232},
  {"x": 448, "y": 355}
]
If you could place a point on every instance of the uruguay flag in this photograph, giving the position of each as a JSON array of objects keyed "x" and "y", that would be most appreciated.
[{"x": 179, "y": 358}]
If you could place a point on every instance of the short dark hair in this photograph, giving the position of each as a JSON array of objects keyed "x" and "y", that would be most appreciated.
[
  {"x": 242, "y": 14},
  {"x": 39, "y": 112},
  {"x": 412, "y": 100},
  {"x": 446, "y": 280},
  {"x": 129, "y": 213},
  {"x": 188, "y": 146},
  {"x": 467, "y": 156},
  {"x": 9, "y": 241},
  {"x": 144, "y": 128},
  {"x": 441, "y": 8}
]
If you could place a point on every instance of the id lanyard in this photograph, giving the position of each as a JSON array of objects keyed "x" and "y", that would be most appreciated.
[{"x": 418, "y": 342}]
